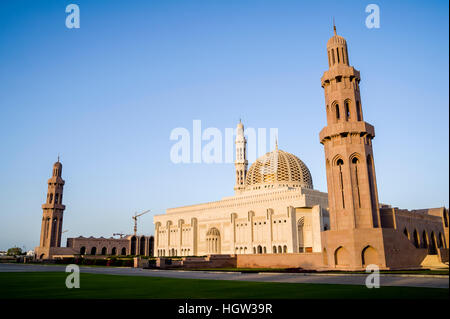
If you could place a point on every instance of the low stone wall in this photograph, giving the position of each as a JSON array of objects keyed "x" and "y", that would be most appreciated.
[
  {"x": 212, "y": 261},
  {"x": 299, "y": 260}
]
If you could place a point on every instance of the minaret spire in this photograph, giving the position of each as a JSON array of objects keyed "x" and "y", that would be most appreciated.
[
  {"x": 241, "y": 158},
  {"x": 334, "y": 27}
]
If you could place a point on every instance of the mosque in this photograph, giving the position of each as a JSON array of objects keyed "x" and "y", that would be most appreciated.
[{"x": 277, "y": 219}]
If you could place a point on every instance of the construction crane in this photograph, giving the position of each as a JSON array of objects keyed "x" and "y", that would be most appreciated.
[
  {"x": 136, "y": 215},
  {"x": 119, "y": 234}
]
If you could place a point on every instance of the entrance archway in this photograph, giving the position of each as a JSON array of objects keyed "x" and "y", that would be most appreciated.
[
  {"x": 369, "y": 256},
  {"x": 213, "y": 241},
  {"x": 341, "y": 257}
]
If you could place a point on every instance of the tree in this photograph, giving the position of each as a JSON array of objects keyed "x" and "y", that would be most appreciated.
[{"x": 14, "y": 251}]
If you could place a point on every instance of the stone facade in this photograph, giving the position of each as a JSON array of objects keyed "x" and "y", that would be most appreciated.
[
  {"x": 277, "y": 219},
  {"x": 282, "y": 220},
  {"x": 129, "y": 245}
]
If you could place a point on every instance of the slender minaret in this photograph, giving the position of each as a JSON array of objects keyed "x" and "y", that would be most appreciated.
[
  {"x": 53, "y": 209},
  {"x": 347, "y": 139},
  {"x": 241, "y": 162}
]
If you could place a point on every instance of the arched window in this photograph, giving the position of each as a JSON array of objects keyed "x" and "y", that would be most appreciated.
[
  {"x": 424, "y": 239},
  {"x": 416, "y": 238},
  {"x": 406, "y": 233},
  {"x": 433, "y": 244},
  {"x": 133, "y": 245},
  {"x": 338, "y": 116},
  {"x": 83, "y": 250},
  {"x": 213, "y": 241},
  {"x": 124, "y": 251},
  {"x": 114, "y": 251},
  {"x": 142, "y": 246},
  {"x": 341, "y": 257},
  {"x": 93, "y": 250},
  {"x": 300, "y": 234},
  {"x": 340, "y": 163},
  {"x": 104, "y": 251},
  {"x": 370, "y": 172},
  {"x": 56, "y": 198},
  {"x": 274, "y": 249},
  {"x": 259, "y": 250},
  {"x": 369, "y": 256},
  {"x": 347, "y": 111},
  {"x": 332, "y": 56},
  {"x": 265, "y": 250},
  {"x": 279, "y": 250},
  {"x": 284, "y": 249},
  {"x": 358, "y": 111},
  {"x": 51, "y": 198},
  {"x": 355, "y": 163},
  {"x": 441, "y": 241},
  {"x": 337, "y": 53}
]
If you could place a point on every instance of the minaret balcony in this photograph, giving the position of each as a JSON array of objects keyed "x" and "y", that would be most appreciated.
[
  {"x": 340, "y": 70},
  {"x": 53, "y": 206},
  {"x": 346, "y": 127}
]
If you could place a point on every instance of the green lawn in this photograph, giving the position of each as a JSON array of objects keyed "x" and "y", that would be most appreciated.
[
  {"x": 52, "y": 285},
  {"x": 444, "y": 272}
]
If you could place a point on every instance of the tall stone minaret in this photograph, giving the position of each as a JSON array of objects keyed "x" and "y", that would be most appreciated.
[
  {"x": 347, "y": 139},
  {"x": 241, "y": 162},
  {"x": 53, "y": 209}
]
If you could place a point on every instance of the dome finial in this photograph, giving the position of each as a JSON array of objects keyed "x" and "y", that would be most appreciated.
[{"x": 276, "y": 143}]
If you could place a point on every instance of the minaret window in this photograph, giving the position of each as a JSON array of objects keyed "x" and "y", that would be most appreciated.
[
  {"x": 347, "y": 111},
  {"x": 56, "y": 198},
  {"x": 332, "y": 55},
  {"x": 51, "y": 199},
  {"x": 355, "y": 163},
  {"x": 329, "y": 61},
  {"x": 339, "y": 163},
  {"x": 337, "y": 53},
  {"x": 358, "y": 110},
  {"x": 337, "y": 112}
]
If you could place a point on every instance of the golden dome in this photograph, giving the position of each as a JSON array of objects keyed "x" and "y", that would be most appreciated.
[{"x": 278, "y": 169}]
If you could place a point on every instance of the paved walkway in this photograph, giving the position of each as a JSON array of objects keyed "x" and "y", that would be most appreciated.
[{"x": 348, "y": 279}]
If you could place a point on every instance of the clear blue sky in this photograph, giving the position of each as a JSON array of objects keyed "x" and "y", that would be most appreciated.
[{"x": 106, "y": 97}]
